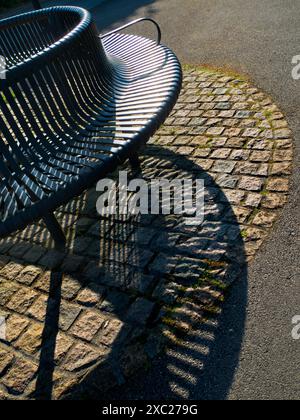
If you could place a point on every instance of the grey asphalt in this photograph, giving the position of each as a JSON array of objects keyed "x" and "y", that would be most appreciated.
[{"x": 252, "y": 354}]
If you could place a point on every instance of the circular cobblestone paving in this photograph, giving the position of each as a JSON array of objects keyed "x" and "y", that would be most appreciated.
[{"x": 81, "y": 321}]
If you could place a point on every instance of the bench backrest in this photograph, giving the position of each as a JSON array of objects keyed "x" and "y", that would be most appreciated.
[{"x": 58, "y": 77}]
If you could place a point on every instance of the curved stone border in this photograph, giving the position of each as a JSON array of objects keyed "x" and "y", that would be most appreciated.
[
  {"x": 240, "y": 137},
  {"x": 118, "y": 300}
]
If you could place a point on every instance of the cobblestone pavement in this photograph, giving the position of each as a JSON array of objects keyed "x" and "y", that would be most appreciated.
[{"x": 81, "y": 321}]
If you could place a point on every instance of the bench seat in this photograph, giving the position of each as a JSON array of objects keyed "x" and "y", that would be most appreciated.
[{"x": 74, "y": 109}]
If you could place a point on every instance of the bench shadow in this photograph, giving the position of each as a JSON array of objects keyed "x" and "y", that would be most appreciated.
[
  {"x": 202, "y": 362},
  {"x": 200, "y": 367},
  {"x": 106, "y": 16}
]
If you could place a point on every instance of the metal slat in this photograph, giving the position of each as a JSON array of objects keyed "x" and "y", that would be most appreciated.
[{"x": 73, "y": 107}]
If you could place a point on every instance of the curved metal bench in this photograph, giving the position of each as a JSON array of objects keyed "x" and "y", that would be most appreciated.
[{"x": 73, "y": 107}]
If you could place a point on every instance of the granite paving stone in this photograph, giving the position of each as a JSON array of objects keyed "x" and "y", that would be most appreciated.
[{"x": 127, "y": 286}]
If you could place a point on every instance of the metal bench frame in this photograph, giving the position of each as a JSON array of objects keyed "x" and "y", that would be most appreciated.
[{"x": 73, "y": 106}]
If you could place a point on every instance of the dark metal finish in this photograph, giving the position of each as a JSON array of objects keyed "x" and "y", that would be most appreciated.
[
  {"x": 135, "y": 162},
  {"x": 73, "y": 108},
  {"x": 55, "y": 230},
  {"x": 134, "y": 22}
]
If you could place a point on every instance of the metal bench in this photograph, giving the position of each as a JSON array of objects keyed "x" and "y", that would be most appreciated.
[{"x": 73, "y": 107}]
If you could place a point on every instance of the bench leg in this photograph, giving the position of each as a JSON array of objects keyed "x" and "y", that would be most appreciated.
[
  {"x": 55, "y": 230},
  {"x": 135, "y": 162}
]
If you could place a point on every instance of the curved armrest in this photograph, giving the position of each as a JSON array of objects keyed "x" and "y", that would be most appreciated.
[{"x": 134, "y": 23}]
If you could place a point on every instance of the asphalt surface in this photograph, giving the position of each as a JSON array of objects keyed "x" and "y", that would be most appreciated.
[{"x": 251, "y": 353}]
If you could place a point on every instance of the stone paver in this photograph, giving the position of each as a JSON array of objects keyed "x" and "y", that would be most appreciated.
[{"x": 88, "y": 318}]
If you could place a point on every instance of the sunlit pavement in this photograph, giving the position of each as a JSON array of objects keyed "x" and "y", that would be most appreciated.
[{"x": 258, "y": 38}]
